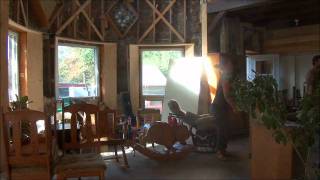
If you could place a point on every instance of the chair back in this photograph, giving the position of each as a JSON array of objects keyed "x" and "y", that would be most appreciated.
[
  {"x": 27, "y": 138},
  {"x": 81, "y": 130},
  {"x": 108, "y": 122}
]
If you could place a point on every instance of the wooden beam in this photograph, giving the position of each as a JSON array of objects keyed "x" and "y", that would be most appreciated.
[
  {"x": 156, "y": 21},
  {"x": 23, "y": 86},
  {"x": 90, "y": 22},
  {"x": 39, "y": 13},
  {"x": 185, "y": 18},
  {"x": 161, "y": 15},
  {"x": 55, "y": 14},
  {"x": 204, "y": 30},
  {"x": 65, "y": 24},
  {"x": 4, "y": 9},
  {"x": 25, "y": 18},
  {"x": 222, "y": 5},
  {"x": 170, "y": 21},
  {"x": 154, "y": 27},
  {"x": 102, "y": 19},
  {"x": 215, "y": 21}
]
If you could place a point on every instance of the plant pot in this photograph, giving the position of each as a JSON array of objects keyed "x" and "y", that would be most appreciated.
[{"x": 269, "y": 160}]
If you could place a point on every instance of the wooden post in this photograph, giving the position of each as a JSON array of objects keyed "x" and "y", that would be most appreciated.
[
  {"x": 204, "y": 28},
  {"x": 204, "y": 97},
  {"x": 4, "y": 6}
]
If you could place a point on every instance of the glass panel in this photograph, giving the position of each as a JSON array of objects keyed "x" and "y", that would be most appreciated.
[
  {"x": 77, "y": 71},
  {"x": 155, "y": 69},
  {"x": 264, "y": 67},
  {"x": 13, "y": 66},
  {"x": 153, "y": 105}
]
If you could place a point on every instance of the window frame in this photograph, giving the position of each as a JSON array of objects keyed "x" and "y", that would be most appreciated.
[
  {"x": 17, "y": 34},
  {"x": 154, "y": 48},
  {"x": 97, "y": 67}
]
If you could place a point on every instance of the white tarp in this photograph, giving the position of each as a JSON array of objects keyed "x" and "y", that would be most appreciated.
[{"x": 183, "y": 85}]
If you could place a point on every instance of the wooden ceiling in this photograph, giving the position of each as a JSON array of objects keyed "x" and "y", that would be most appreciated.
[{"x": 279, "y": 13}]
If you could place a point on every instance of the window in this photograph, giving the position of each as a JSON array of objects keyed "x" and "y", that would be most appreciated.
[
  {"x": 77, "y": 71},
  {"x": 155, "y": 65},
  {"x": 13, "y": 66}
]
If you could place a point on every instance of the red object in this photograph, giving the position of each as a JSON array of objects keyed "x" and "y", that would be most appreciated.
[{"x": 172, "y": 121}]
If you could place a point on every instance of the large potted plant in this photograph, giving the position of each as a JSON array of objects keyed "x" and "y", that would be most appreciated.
[{"x": 272, "y": 142}]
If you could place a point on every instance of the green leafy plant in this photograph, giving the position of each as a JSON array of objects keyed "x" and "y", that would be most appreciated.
[
  {"x": 21, "y": 103},
  {"x": 261, "y": 100}
]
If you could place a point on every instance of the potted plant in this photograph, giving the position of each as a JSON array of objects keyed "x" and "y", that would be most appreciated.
[
  {"x": 268, "y": 116},
  {"x": 20, "y": 104}
]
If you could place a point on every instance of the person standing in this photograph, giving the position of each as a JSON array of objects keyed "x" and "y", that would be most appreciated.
[
  {"x": 312, "y": 75},
  {"x": 313, "y": 82},
  {"x": 222, "y": 104}
]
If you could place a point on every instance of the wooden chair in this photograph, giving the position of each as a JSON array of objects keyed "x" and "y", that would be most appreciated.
[
  {"x": 82, "y": 140},
  {"x": 108, "y": 136},
  {"x": 28, "y": 145},
  {"x": 147, "y": 115}
]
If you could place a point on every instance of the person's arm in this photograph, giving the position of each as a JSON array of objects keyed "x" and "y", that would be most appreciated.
[
  {"x": 226, "y": 87},
  {"x": 309, "y": 80}
]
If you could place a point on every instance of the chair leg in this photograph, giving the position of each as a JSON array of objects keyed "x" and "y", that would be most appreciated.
[
  {"x": 101, "y": 177},
  {"x": 60, "y": 177},
  {"x": 124, "y": 156},
  {"x": 116, "y": 153},
  {"x": 134, "y": 152}
]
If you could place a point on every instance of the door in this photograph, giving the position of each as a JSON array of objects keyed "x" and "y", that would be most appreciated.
[{"x": 265, "y": 64}]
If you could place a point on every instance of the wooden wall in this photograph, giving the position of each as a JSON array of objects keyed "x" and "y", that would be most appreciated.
[
  {"x": 109, "y": 75},
  {"x": 30, "y": 64},
  {"x": 157, "y": 22},
  {"x": 148, "y": 29},
  {"x": 301, "y": 39},
  {"x": 35, "y": 70}
]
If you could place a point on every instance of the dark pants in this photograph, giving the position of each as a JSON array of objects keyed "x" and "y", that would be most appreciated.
[{"x": 221, "y": 116}]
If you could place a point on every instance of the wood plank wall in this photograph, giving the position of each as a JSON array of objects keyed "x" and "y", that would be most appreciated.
[
  {"x": 35, "y": 70},
  {"x": 292, "y": 40}
]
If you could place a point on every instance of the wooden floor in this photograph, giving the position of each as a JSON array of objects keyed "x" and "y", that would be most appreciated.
[{"x": 197, "y": 166}]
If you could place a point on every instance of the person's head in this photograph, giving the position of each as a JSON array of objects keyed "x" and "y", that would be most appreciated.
[
  {"x": 316, "y": 60},
  {"x": 175, "y": 107}
]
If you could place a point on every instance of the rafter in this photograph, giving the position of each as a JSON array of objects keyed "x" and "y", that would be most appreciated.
[
  {"x": 90, "y": 21},
  {"x": 161, "y": 15},
  {"x": 24, "y": 15},
  {"x": 39, "y": 13},
  {"x": 56, "y": 12},
  {"x": 71, "y": 18},
  {"x": 215, "y": 21},
  {"x": 157, "y": 20}
]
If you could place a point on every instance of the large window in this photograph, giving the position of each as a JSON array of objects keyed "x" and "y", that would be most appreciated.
[
  {"x": 13, "y": 66},
  {"x": 77, "y": 71},
  {"x": 155, "y": 65}
]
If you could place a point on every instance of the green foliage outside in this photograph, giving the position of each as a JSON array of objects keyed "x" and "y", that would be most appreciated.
[
  {"x": 161, "y": 59},
  {"x": 76, "y": 65}
]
